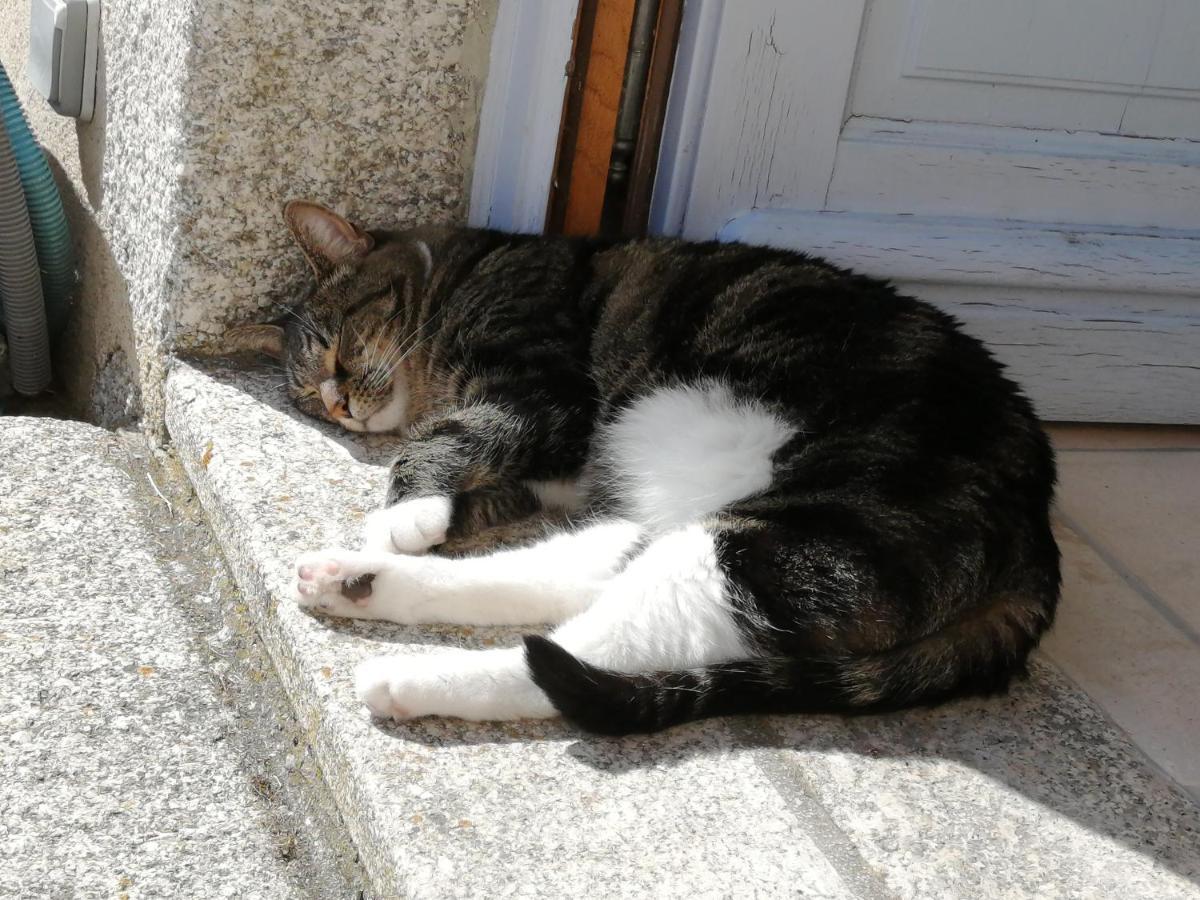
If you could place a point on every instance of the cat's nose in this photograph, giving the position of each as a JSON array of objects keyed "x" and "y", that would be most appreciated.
[{"x": 335, "y": 400}]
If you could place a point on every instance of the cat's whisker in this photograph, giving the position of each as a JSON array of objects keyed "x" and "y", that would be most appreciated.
[
  {"x": 370, "y": 349},
  {"x": 404, "y": 348},
  {"x": 410, "y": 350},
  {"x": 306, "y": 321},
  {"x": 395, "y": 349},
  {"x": 302, "y": 317},
  {"x": 387, "y": 365},
  {"x": 417, "y": 336}
]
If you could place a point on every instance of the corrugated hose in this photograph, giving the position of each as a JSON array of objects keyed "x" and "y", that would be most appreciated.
[{"x": 37, "y": 261}]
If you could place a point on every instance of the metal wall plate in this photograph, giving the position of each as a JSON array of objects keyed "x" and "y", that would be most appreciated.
[{"x": 64, "y": 38}]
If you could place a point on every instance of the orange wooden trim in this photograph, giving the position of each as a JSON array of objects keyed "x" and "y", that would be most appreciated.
[
  {"x": 582, "y": 171},
  {"x": 568, "y": 136}
]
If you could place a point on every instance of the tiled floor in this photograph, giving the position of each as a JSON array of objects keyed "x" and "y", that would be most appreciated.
[{"x": 1128, "y": 630}]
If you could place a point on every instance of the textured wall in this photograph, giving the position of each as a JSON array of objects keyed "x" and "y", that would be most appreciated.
[
  {"x": 370, "y": 107},
  {"x": 117, "y": 178},
  {"x": 214, "y": 112}
]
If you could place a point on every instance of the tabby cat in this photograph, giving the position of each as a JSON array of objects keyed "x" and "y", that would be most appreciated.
[{"x": 782, "y": 486}]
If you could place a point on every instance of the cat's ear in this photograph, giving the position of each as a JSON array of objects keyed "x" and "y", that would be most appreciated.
[
  {"x": 326, "y": 238},
  {"x": 266, "y": 339}
]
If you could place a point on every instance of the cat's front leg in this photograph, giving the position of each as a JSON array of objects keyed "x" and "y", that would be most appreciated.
[
  {"x": 459, "y": 473},
  {"x": 358, "y": 584},
  {"x": 422, "y": 484},
  {"x": 415, "y": 525},
  {"x": 548, "y": 582}
]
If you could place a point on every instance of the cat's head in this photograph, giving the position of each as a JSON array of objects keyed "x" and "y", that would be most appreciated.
[{"x": 344, "y": 344}]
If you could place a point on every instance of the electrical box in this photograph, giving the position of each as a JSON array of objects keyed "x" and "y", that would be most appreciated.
[{"x": 64, "y": 37}]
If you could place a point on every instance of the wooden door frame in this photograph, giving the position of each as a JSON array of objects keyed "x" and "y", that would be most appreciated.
[
  {"x": 575, "y": 204},
  {"x": 524, "y": 116}
]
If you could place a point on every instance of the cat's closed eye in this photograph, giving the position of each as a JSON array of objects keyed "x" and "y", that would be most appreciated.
[{"x": 308, "y": 401}]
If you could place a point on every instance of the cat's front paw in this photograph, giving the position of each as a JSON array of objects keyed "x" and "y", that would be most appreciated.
[
  {"x": 411, "y": 526},
  {"x": 337, "y": 582}
]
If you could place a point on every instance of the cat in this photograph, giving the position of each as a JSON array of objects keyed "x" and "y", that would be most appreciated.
[{"x": 782, "y": 486}]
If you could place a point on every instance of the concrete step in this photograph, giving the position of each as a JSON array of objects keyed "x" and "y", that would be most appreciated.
[
  {"x": 1035, "y": 794},
  {"x": 145, "y": 751}
]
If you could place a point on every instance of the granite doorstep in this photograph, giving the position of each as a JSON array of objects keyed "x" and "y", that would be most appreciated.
[
  {"x": 367, "y": 107},
  {"x": 1034, "y": 794},
  {"x": 1030, "y": 795},
  {"x": 446, "y": 808},
  {"x": 122, "y": 776}
]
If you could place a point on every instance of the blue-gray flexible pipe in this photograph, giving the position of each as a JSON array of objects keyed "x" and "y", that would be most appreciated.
[
  {"x": 55, "y": 258},
  {"x": 21, "y": 284}
]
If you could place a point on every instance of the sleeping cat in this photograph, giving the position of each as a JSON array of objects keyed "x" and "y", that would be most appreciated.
[{"x": 783, "y": 487}]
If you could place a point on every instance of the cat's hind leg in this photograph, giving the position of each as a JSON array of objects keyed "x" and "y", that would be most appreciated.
[
  {"x": 672, "y": 457},
  {"x": 546, "y": 583},
  {"x": 670, "y": 608}
]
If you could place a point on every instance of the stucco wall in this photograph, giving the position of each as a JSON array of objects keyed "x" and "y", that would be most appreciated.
[{"x": 212, "y": 114}]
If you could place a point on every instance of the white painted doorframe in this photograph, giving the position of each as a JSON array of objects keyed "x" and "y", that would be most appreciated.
[{"x": 522, "y": 114}]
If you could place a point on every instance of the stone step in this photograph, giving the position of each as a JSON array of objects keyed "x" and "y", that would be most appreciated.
[
  {"x": 1035, "y": 794},
  {"x": 138, "y": 727}
]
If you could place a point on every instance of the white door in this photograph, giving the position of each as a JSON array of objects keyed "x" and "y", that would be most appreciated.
[{"x": 1032, "y": 166}]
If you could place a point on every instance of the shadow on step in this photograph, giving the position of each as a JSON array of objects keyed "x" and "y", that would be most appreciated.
[{"x": 1042, "y": 757}]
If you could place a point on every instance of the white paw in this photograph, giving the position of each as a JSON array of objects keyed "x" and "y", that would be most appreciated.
[
  {"x": 411, "y": 526},
  {"x": 337, "y": 582},
  {"x": 478, "y": 685},
  {"x": 396, "y": 687}
]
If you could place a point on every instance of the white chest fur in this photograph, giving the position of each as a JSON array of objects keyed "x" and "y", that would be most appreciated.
[{"x": 684, "y": 452}]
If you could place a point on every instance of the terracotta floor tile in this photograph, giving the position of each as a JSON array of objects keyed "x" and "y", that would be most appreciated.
[
  {"x": 1141, "y": 670},
  {"x": 1142, "y": 510}
]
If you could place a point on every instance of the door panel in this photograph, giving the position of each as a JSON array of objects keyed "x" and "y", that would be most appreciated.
[
  {"x": 1094, "y": 65},
  {"x": 1176, "y": 63},
  {"x": 1076, "y": 44},
  {"x": 979, "y": 154}
]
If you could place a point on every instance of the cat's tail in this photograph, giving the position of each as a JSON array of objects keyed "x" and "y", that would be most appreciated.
[{"x": 947, "y": 664}]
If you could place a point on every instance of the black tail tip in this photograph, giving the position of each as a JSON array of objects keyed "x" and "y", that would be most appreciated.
[
  {"x": 543, "y": 649},
  {"x": 552, "y": 668},
  {"x": 590, "y": 697}
]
